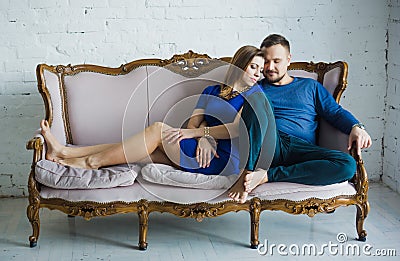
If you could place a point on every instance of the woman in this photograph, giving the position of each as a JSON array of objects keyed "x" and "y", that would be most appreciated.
[{"x": 215, "y": 118}]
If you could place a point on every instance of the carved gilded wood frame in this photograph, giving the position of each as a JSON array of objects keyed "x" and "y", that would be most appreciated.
[{"x": 189, "y": 64}]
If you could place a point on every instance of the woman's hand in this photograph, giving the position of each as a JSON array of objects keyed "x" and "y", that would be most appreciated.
[
  {"x": 206, "y": 151},
  {"x": 176, "y": 134}
]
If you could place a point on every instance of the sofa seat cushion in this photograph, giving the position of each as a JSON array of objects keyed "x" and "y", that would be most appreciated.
[
  {"x": 59, "y": 176},
  {"x": 167, "y": 175},
  {"x": 143, "y": 189}
]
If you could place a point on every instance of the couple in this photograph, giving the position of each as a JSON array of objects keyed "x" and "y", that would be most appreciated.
[{"x": 209, "y": 144}]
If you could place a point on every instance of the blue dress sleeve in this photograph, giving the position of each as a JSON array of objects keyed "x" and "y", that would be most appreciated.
[
  {"x": 205, "y": 96},
  {"x": 332, "y": 112}
]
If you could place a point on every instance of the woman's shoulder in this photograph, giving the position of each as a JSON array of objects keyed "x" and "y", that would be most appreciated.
[{"x": 212, "y": 89}]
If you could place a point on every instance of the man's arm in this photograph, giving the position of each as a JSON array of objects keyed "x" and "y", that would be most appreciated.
[{"x": 341, "y": 119}]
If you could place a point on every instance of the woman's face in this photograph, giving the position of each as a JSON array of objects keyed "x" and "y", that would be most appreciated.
[{"x": 253, "y": 71}]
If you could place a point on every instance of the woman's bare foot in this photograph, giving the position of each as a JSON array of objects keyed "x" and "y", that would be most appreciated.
[
  {"x": 255, "y": 178},
  {"x": 76, "y": 163},
  {"x": 238, "y": 192},
  {"x": 54, "y": 148}
]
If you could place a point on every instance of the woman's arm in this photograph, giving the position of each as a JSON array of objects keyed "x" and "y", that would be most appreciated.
[
  {"x": 223, "y": 131},
  {"x": 197, "y": 120},
  {"x": 226, "y": 131}
]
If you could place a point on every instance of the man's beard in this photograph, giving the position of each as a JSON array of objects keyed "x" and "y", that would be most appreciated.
[{"x": 272, "y": 81}]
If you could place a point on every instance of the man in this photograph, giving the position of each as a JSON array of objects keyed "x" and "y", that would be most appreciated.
[{"x": 297, "y": 103}]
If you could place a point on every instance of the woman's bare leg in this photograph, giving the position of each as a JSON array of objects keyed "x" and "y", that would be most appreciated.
[
  {"x": 158, "y": 156},
  {"x": 134, "y": 149},
  {"x": 56, "y": 151}
]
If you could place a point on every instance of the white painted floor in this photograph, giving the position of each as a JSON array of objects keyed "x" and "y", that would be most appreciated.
[{"x": 223, "y": 238}]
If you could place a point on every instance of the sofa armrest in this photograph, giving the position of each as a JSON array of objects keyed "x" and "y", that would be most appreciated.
[
  {"x": 37, "y": 144},
  {"x": 360, "y": 178}
]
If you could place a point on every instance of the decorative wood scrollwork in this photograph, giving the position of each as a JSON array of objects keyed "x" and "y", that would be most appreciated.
[
  {"x": 32, "y": 213},
  {"x": 65, "y": 69},
  {"x": 199, "y": 211},
  {"x": 191, "y": 64},
  {"x": 255, "y": 211},
  {"x": 88, "y": 211},
  {"x": 310, "y": 208},
  {"x": 143, "y": 213}
]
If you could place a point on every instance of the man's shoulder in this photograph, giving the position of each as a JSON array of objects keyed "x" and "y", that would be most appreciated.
[{"x": 305, "y": 80}]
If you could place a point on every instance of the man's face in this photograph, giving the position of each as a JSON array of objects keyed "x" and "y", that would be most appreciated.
[{"x": 277, "y": 60}]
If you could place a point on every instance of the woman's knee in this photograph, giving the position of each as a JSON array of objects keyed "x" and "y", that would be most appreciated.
[
  {"x": 155, "y": 127},
  {"x": 155, "y": 130}
]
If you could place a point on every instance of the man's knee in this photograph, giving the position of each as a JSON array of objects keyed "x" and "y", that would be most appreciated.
[
  {"x": 256, "y": 102},
  {"x": 256, "y": 111},
  {"x": 348, "y": 168}
]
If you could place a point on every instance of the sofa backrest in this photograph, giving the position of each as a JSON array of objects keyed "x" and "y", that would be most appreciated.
[
  {"x": 90, "y": 104},
  {"x": 86, "y": 104}
]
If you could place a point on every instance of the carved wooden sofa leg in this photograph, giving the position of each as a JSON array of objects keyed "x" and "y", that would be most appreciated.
[
  {"x": 32, "y": 212},
  {"x": 255, "y": 210},
  {"x": 362, "y": 212},
  {"x": 143, "y": 214}
]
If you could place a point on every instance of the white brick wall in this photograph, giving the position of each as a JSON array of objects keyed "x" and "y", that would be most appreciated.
[
  {"x": 391, "y": 160},
  {"x": 111, "y": 32}
]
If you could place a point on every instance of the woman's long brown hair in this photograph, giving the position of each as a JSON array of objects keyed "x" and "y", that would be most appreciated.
[{"x": 238, "y": 66}]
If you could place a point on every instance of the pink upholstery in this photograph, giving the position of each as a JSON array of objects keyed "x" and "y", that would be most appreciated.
[
  {"x": 97, "y": 102},
  {"x": 53, "y": 86},
  {"x": 330, "y": 137},
  {"x": 172, "y": 97},
  {"x": 331, "y": 79}
]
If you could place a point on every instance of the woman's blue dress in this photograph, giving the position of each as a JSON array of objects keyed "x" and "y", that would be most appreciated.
[{"x": 217, "y": 111}]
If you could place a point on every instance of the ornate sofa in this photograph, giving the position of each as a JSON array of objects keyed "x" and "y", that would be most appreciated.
[{"x": 87, "y": 104}]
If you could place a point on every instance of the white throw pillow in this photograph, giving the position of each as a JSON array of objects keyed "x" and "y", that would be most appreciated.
[
  {"x": 59, "y": 176},
  {"x": 167, "y": 175},
  {"x": 284, "y": 188}
]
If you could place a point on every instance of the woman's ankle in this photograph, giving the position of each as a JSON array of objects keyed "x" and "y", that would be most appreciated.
[{"x": 91, "y": 162}]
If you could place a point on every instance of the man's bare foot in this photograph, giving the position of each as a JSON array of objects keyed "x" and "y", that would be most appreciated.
[
  {"x": 54, "y": 148},
  {"x": 237, "y": 192},
  {"x": 255, "y": 178},
  {"x": 76, "y": 163}
]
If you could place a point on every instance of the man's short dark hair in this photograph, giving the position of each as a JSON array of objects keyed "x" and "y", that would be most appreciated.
[{"x": 274, "y": 39}]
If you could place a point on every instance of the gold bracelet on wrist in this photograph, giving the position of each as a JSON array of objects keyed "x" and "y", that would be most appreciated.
[{"x": 207, "y": 132}]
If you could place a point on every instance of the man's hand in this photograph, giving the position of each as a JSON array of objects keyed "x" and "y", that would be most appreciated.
[{"x": 361, "y": 137}]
